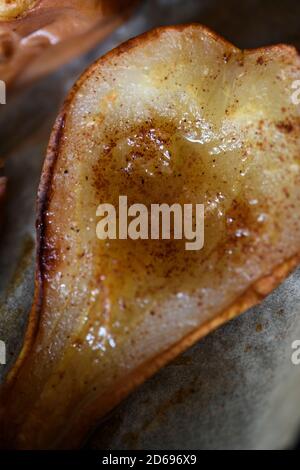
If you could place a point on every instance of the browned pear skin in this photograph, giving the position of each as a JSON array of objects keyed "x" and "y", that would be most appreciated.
[{"x": 175, "y": 115}]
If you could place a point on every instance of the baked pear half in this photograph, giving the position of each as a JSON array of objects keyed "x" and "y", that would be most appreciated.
[{"x": 177, "y": 115}]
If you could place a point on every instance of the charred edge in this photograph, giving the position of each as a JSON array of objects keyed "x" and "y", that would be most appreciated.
[
  {"x": 43, "y": 201},
  {"x": 42, "y": 204}
]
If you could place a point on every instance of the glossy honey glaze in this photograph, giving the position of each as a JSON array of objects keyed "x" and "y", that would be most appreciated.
[{"x": 159, "y": 162}]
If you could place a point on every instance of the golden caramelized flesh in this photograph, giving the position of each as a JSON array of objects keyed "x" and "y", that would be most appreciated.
[
  {"x": 175, "y": 116},
  {"x": 10, "y": 9}
]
